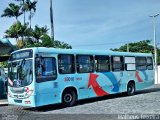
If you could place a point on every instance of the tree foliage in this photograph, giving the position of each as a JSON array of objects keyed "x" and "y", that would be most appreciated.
[
  {"x": 143, "y": 46},
  {"x": 12, "y": 10},
  {"x": 38, "y": 32},
  {"x": 4, "y": 64},
  {"x": 17, "y": 30},
  {"x": 27, "y": 36},
  {"x": 46, "y": 41}
]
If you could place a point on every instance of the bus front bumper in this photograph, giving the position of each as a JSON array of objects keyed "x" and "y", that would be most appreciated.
[{"x": 28, "y": 102}]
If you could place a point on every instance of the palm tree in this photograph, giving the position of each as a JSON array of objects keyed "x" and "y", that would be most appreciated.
[
  {"x": 17, "y": 30},
  {"x": 13, "y": 31},
  {"x": 44, "y": 30},
  {"x": 38, "y": 32},
  {"x": 24, "y": 17},
  {"x": 12, "y": 11},
  {"x": 29, "y": 6}
]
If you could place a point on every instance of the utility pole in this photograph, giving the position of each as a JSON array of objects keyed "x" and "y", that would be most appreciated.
[
  {"x": 51, "y": 19},
  {"x": 155, "y": 48}
]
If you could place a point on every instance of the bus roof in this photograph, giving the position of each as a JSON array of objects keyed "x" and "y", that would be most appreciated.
[{"x": 80, "y": 51}]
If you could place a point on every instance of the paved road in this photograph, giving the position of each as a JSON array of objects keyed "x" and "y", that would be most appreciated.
[{"x": 145, "y": 102}]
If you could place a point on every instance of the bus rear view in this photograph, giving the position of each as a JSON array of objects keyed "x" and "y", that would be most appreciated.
[{"x": 20, "y": 78}]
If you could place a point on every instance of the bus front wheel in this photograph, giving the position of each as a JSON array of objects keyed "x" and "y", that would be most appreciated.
[
  {"x": 131, "y": 88},
  {"x": 69, "y": 98}
]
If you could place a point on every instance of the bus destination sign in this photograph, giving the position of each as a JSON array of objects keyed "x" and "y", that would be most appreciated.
[{"x": 21, "y": 55}]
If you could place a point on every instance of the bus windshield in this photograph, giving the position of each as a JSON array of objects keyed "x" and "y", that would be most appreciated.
[{"x": 20, "y": 73}]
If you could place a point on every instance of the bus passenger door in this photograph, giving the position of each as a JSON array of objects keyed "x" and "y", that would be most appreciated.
[
  {"x": 118, "y": 77},
  {"x": 46, "y": 73}
]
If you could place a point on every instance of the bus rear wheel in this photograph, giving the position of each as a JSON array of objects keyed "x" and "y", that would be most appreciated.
[
  {"x": 69, "y": 98},
  {"x": 130, "y": 89}
]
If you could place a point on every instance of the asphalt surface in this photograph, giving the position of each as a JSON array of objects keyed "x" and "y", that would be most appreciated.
[{"x": 145, "y": 104}]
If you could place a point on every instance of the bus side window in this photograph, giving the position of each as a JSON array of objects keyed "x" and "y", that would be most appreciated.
[
  {"x": 130, "y": 63},
  {"x": 66, "y": 64},
  {"x": 141, "y": 63},
  {"x": 85, "y": 63},
  {"x": 149, "y": 63},
  {"x": 102, "y": 63},
  {"x": 117, "y": 63},
  {"x": 46, "y": 69}
]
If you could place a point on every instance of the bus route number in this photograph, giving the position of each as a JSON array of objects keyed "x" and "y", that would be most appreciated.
[{"x": 69, "y": 79}]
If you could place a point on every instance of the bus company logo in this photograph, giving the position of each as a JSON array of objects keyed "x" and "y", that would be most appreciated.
[{"x": 98, "y": 89}]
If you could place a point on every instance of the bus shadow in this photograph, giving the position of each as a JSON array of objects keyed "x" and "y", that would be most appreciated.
[
  {"x": 149, "y": 90},
  {"x": 90, "y": 100}
]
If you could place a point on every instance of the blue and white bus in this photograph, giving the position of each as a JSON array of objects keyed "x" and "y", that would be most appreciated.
[{"x": 42, "y": 76}]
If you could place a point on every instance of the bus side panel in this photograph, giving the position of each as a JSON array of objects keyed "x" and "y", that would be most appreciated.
[
  {"x": 119, "y": 81},
  {"x": 90, "y": 85},
  {"x": 100, "y": 84},
  {"x": 47, "y": 93},
  {"x": 81, "y": 82},
  {"x": 151, "y": 76},
  {"x": 123, "y": 81},
  {"x": 144, "y": 79},
  {"x": 97, "y": 85},
  {"x": 129, "y": 76}
]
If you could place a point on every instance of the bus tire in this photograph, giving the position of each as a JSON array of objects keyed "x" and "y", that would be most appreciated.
[
  {"x": 1, "y": 89},
  {"x": 131, "y": 88},
  {"x": 69, "y": 98}
]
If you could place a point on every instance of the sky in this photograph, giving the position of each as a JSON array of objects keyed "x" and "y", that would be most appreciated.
[{"x": 94, "y": 24}]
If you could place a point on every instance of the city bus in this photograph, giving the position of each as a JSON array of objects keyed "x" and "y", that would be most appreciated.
[{"x": 42, "y": 76}]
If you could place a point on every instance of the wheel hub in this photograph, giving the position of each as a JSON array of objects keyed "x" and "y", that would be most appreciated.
[
  {"x": 131, "y": 89},
  {"x": 68, "y": 98}
]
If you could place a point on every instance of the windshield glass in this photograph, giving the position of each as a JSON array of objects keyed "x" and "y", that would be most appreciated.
[{"x": 20, "y": 73}]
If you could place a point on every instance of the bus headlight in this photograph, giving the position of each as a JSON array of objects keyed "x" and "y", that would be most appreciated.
[{"x": 28, "y": 93}]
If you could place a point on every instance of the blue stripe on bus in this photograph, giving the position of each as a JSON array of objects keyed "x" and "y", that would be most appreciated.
[
  {"x": 145, "y": 75},
  {"x": 113, "y": 79}
]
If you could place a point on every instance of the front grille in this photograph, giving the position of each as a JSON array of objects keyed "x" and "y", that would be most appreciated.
[
  {"x": 16, "y": 96},
  {"x": 21, "y": 96},
  {"x": 17, "y": 101}
]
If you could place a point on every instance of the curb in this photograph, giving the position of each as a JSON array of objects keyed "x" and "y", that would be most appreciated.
[{"x": 3, "y": 103}]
